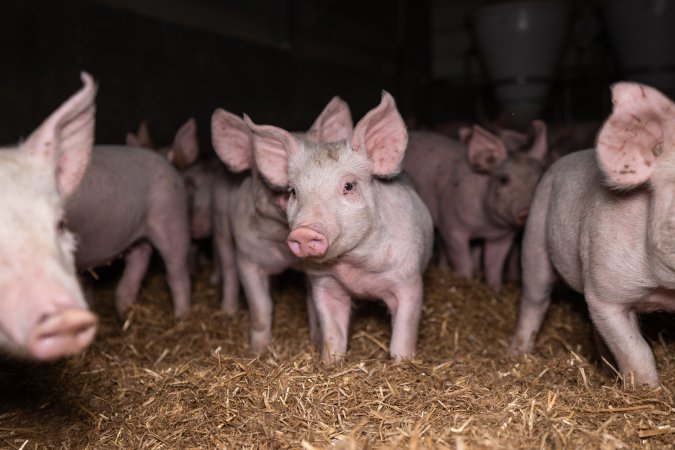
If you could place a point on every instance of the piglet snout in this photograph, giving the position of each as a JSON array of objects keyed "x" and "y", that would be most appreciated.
[
  {"x": 62, "y": 333},
  {"x": 305, "y": 241}
]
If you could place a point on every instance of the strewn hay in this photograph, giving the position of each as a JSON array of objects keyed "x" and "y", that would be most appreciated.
[{"x": 154, "y": 382}]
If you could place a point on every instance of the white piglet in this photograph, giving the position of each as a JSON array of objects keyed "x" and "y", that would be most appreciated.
[
  {"x": 603, "y": 220},
  {"x": 359, "y": 230},
  {"x": 250, "y": 224},
  {"x": 43, "y": 314}
]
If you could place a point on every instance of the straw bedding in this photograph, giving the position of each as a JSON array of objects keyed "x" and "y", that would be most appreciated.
[{"x": 154, "y": 382}]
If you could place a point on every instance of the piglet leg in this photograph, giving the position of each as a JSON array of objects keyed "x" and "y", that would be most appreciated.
[
  {"x": 406, "y": 308},
  {"x": 136, "y": 265}
]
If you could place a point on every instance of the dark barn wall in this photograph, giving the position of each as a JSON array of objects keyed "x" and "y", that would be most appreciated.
[{"x": 282, "y": 72}]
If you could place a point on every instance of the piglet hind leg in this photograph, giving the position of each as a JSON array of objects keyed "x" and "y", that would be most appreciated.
[
  {"x": 538, "y": 279},
  {"x": 618, "y": 325},
  {"x": 173, "y": 244},
  {"x": 333, "y": 308},
  {"x": 136, "y": 262},
  {"x": 459, "y": 252},
  {"x": 405, "y": 306},
  {"x": 495, "y": 255}
]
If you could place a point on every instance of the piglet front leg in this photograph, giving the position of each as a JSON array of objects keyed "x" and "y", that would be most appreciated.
[
  {"x": 256, "y": 285},
  {"x": 333, "y": 309},
  {"x": 405, "y": 305}
]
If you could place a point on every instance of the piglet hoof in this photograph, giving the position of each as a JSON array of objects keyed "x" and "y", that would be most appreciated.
[
  {"x": 332, "y": 359},
  {"x": 122, "y": 307},
  {"x": 63, "y": 333},
  {"x": 181, "y": 312},
  {"x": 315, "y": 337},
  {"x": 401, "y": 358},
  {"x": 260, "y": 340},
  {"x": 518, "y": 348},
  {"x": 230, "y": 309}
]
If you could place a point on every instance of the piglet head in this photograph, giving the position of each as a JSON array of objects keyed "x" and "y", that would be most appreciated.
[
  {"x": 636, "y": 145},
  {"x": 43, "y": 313},
  {"x": 332, "y": 186},
  {"x": 183, "y": 151},
  {"x": 513, "y": 176}
]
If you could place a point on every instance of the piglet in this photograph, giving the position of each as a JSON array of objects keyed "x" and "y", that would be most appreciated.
[
  {"x": 198, "y": 175},
  {"x": 602, "y": 220},
  {"x": 476, "y": 191},
  {"x": 358, "y": 229},
  {"x": 254, "y": 213},
  {"x": 130, "y": 200},
  {"x": 43, "y": 314}
]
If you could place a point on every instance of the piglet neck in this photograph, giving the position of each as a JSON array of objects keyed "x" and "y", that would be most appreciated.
[{"x": 661, "y": 235}]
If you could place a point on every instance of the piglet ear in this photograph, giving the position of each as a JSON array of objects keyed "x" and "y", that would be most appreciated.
[
  {"x": 143, "y": 135},
  {"x": 333, "y": 124},
  {"x": 383, "y": 136},
  {"x": 632, "y": 138},
  {"x": 66, "y": 138},
  {"x": 141, "y": 138},
  {"x": 232, "y": 140},
  {"x": 540, "y": 144},
  {"x": 485, "y": 150},
  {"x": 464, "y": 135},
  {"x": 271, "y": 148},
  {"x": 132, "y": 140},
  {"x": 185, "y": 148},
  {"x": 512, "y": 139}
]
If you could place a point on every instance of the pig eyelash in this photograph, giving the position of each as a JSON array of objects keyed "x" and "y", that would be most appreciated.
[{"x": 349, "y": 187}]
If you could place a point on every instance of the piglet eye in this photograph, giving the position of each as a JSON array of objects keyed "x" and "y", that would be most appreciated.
[
  {"x": 61, "y": 225},
  {"x": 291, "y": 192},
  {"x": 349, "y": 186},
  {"x": 504, "y": 180}
]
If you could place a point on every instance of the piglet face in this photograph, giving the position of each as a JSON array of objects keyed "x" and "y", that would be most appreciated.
[
  {"x": 511, "y": 189},
  {"x": 331, "y": 203},
  {"x": 331, "y": 200},
  {"x": 513, "y": 175},
  {"x": 43, "y": 314}
]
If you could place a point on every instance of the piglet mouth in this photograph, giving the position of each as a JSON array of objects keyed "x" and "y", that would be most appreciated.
[{"x": 521, "y": 216}]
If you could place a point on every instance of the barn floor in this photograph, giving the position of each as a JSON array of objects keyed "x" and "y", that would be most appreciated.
[{"x": 154, "y": 382}]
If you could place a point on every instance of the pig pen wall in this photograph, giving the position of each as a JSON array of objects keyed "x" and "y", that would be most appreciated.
[{"x": 165, "y": 72}]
